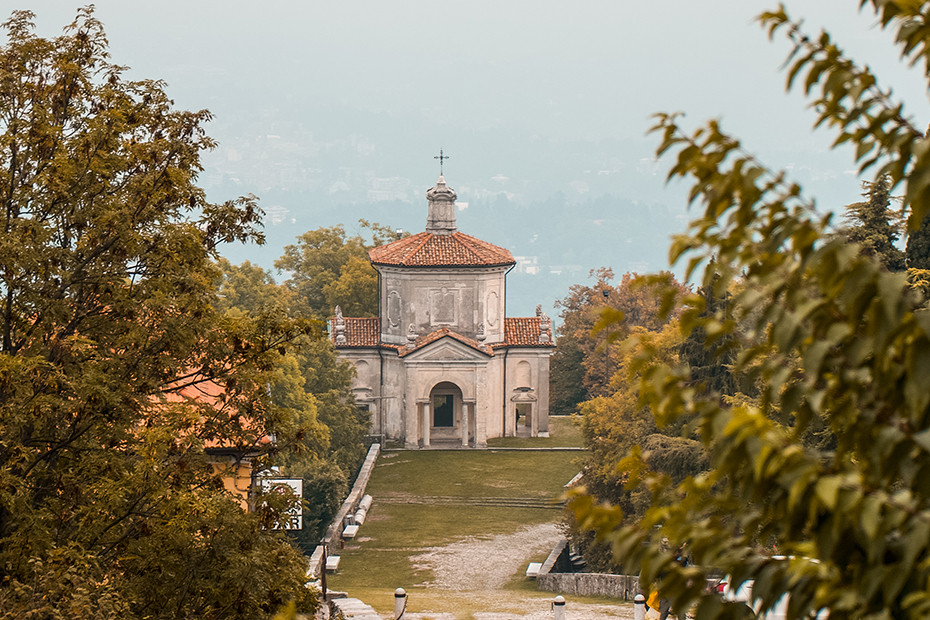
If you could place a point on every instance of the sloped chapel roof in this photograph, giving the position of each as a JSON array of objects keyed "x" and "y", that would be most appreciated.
[
  {"x": 526, "y": 331},
  {"x": 428, "y": 249},
  {"x": 443, "y": 332},
  {"x": 441, "y": 245},
  {"x": 359, "y": 332}
]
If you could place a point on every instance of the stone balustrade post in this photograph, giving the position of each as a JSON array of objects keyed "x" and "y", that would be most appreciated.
[
  {"x": 639, "y": 607},
  {"x": 400, "y": 603}
]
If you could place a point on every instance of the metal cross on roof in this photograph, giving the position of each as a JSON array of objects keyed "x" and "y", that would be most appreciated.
[{"x": 441, "y": 158}]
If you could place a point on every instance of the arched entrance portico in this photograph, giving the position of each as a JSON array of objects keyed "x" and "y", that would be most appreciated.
[{"x": 446, "y": 417}]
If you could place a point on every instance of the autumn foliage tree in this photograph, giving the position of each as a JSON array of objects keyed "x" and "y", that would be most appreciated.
[
  {"x": 585, "y": 359},
  {"x": 830, "y": 337},
  {"x": 602, "y": 325},
  {"x": 109, "y": 504}
]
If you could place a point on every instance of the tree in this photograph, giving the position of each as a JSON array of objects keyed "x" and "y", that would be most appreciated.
[
  {"x": 917, "y": 250},
  {"x": 327, "y": 269},
  {"x": 325, "y": 442},
  {"x": 251, "y": 289},
  {"x": 613, "y": 424},
  {"x": 917, "y": 257},
  {"x": 874, "y": 226},
  {"x": 710, "y": 360},
  {"x": 566, "y": 374},
  {"x": 584, "y": 361},
  {"x": 831, "y": 337},
  {"x": 109, "y": 503}
]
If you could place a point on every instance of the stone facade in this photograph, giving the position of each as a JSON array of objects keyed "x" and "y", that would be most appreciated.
[{"x": 442, "y": 366}]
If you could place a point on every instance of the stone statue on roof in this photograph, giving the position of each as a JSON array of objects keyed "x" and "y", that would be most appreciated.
[
  {"x": 339, "y": 327},
  {"x": 545, "y": 326}
]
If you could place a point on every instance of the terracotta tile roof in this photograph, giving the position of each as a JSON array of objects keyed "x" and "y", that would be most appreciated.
[
  {"x": 359, "y": 332},
  {"x": 524, "y": 332},
  {"x": 430, "y": 250},
  {"x": 432, "y": 337},
  {"x": 198, "y": 389}
]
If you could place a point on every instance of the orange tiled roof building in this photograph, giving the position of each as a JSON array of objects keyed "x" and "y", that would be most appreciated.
[{"x": 442, "y": 366}]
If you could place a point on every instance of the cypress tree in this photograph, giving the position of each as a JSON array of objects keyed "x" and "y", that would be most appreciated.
[{"x": 874, "y": 226}]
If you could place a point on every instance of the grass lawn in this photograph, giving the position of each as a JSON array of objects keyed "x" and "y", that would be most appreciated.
[
  {"x": 430, "y": 498},
  {"x": 564, "y": 432}
]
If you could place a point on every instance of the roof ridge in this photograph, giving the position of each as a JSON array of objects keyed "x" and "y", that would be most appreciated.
[
  {"x": 426, "y": 239},
  {"x": 440, "y": 333},
  {"x": 477, "y": 258}
]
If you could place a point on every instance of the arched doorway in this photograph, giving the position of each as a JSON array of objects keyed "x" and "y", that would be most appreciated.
[{"x": 445, "y": 406}]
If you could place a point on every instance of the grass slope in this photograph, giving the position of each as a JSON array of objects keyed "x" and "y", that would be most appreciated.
[{"x": 430, "y": 498}]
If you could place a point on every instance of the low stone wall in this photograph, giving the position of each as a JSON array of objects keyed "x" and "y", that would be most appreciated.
[
  {"x": 349, "y": 506},
  {"x": 551, "y": 578},
  {"x": 624, "y": 587}
]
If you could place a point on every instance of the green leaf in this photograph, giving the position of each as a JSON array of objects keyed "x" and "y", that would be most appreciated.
[
  {"x": 916, "y": 392},
  {"x": 827, "y": 490},
  {"x": 870, "y": 516}
]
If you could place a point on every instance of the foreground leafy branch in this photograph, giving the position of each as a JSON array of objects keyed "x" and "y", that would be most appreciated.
[{"x": 832, "y": 340}]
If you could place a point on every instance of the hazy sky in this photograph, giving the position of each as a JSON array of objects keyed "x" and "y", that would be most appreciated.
[
  {"x": 515, "y": 89},
  {"x": 587, "y": 69}
]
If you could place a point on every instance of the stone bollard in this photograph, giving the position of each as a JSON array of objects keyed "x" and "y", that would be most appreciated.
[
  {"x": 558, "y": 608},
  {"x": 639, "y": 607},
  {"x": 400, "y": 603}
]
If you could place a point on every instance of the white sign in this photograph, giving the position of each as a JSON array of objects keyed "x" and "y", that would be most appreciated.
[{"x": 295, "y": 516}]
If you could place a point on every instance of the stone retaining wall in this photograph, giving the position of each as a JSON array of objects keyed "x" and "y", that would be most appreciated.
[
  {"x": 552, "y": 579},
  {"x": 624, "y": 587},
  {"x": 349, "y": 506}
]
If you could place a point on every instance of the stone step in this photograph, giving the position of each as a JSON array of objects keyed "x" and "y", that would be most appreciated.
[{"x": 355, "y": 608}]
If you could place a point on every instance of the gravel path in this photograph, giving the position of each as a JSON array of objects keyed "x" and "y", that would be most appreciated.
[
  {"x": 485, "y": 564},
  {"x": 481, "y": 567}
]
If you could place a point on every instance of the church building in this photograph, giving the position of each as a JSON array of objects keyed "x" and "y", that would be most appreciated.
[{"x": 443, "y": 366}]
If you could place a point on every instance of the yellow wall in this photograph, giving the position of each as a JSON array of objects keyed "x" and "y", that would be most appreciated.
[{"x": 236, "y": 475}]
